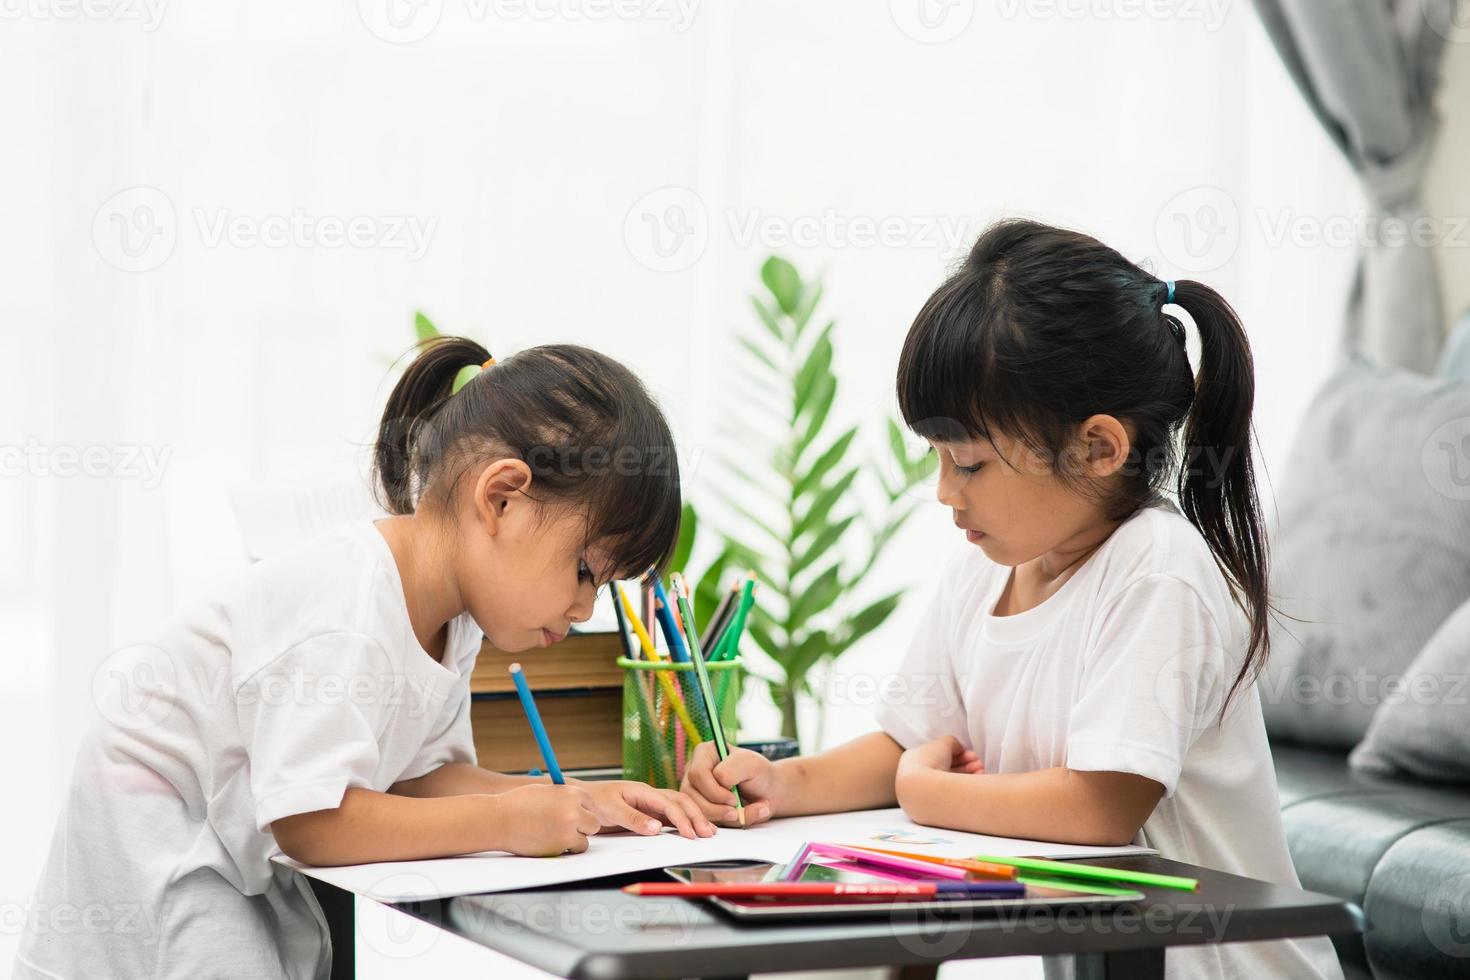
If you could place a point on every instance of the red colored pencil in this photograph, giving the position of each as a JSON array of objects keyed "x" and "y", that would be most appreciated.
[{"x": 809, "y": 889}]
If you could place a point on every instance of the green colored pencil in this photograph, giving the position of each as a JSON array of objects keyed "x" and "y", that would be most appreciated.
[
  {"x": 729, "y": 645},
  {"x": 706, "y": 689},
  {"x": 1093, "y": 871}
]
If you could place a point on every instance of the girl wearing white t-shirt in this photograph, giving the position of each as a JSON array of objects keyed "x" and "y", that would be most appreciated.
[
  {"x": 1085, "y": 670},
  {"x": 319, "y": 705}
]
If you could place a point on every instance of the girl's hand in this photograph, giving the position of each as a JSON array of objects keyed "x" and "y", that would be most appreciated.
[
  {"x": 707, "y": 782},
  {"x": 622, "y": 804},
  {"x": 542, "y": 821},
  {"x": 945, "y": 754}
]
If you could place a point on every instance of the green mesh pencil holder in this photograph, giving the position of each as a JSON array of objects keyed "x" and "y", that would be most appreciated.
[{"x": 664, "y": 716}]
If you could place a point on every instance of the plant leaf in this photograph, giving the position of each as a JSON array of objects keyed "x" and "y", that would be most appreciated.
[
  {"x": 816, "y": 645},
  {"x": 815, "y": 598},
  {"x": 823, "y": 541},
  {"x": 816, "y": 365},
  {"x": 830, "y": 458},
  {"x": 423, "y": 327},
  {"x": 688, "y": 527},
  {"x": 784, "y": 282},
  {"x": 822, "y": 407},
  {"x": 769, "y": 318},
  {"x": 810, "y": 297},
  {"x": 824, "y": 503},
  {"x": 860, "y": 624},
  {"x": 758, "y": 354}
]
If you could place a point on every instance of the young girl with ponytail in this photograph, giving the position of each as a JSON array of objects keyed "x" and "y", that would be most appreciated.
[
  {"x": 320, "y": 705},
  {"x": 1085, "y": 670}
]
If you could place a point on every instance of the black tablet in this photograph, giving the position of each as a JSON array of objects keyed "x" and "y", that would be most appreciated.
[{"x": 1040, "y": 891}]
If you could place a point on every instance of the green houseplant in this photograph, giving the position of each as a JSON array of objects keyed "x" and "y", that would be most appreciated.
[{"x": 807, "y": 486}]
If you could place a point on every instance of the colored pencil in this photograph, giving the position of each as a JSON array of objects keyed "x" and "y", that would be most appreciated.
[
  {"x": 664, "y": 610},
  {"x": 706, "y": 689},
  {"x": 629, "y": 650},
  {"x": 729, "y": 645},
  {"x": 797, "y": 864},
  {"x": 988, "y": 869},
  {"x": 818, "y": 889},
  {"x": 1093, "y": 871},
  {"x": 537, "y": 729},
  {"x": 671, "y": 693},
  {"x": 710, "y": 638},
  {"x": 906, "y": 865}
]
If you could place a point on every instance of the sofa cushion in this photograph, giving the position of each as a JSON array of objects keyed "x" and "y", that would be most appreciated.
[
  {"x": 1425, "y": 730},
  {"x": 1372, "y": 548},
  {"x": 1341, "y": 824},
  {"x": 1418, "y": 906}
]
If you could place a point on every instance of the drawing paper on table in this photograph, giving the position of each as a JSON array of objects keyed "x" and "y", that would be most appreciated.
[
  {"x": 881, "y": 828},
  {"x": 611, "y": 854},
  {"x": 494, "y": 871}
]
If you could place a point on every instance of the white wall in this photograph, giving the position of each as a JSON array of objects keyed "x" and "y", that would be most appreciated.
[{"x": 527, "y": 149}]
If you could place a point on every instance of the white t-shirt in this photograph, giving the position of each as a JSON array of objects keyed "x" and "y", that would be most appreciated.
[
  {"x": 1123, "y": 669},
  {"x": 302, "y": 679}
]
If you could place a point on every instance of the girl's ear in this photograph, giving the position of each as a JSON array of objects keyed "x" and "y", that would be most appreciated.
[
  {"x": 499, "y": 485},
  {"x": 1107, "y": 442}
]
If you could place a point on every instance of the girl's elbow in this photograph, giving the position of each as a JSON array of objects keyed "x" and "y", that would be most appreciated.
[
  {"x": 914, "y": 802},
  {"x": 300, "y": 838}
]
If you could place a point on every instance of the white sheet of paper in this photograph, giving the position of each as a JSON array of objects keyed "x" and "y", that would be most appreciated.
[{"x": 610, "y": 854}]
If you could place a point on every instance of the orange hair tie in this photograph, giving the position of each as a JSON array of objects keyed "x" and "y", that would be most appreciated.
[{"x": 488, "y": 363}]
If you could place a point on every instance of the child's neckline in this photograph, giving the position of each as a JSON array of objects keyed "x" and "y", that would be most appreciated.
[{"x": 390, "y": 562}]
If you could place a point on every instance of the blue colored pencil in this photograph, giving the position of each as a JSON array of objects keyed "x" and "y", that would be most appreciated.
[
  {"x": 537, "y": 729},
  {"x": 664, "y": 609}
]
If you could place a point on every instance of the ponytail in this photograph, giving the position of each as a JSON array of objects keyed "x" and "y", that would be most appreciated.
[
  {"x": 1217, "y": 486},
  {"x": 594, "y": 441},
  {"x": 424, "y": 387}
]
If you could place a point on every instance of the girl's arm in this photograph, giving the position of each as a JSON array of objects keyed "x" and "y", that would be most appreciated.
[
  {"x": 854, "y": 776},
  {"x": 460, "y": 779},
  {"x": 370, "y": 826},
  {"x": 1069, "y": 806},
  {"x": 857, "y": 775}
]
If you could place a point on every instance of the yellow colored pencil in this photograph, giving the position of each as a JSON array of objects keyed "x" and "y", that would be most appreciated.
[{"x": 671, "y": 693}]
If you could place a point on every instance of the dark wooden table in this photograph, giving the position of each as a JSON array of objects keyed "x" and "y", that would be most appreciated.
[{"x": 593, "y": 930}]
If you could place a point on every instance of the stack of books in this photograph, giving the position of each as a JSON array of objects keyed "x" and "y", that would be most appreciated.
[{"x": 579, "y": 689}]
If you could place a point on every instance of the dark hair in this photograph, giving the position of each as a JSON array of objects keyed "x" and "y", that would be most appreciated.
[
  {"x": 1041, "y": 328},
  {"x": 585, "y": 425}
]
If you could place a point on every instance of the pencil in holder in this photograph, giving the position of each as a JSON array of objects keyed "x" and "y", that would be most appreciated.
[{"x": 662, "y": 722}]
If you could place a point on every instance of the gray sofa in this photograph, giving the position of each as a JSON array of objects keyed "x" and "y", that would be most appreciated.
[{"x": 1398, "y": 847}]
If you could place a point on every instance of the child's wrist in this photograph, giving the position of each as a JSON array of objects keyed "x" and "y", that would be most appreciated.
[{"x": 785, "y": 785}]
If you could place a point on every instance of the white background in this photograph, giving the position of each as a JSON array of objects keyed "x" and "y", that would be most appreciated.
[{"x": 525, "y": 140}]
